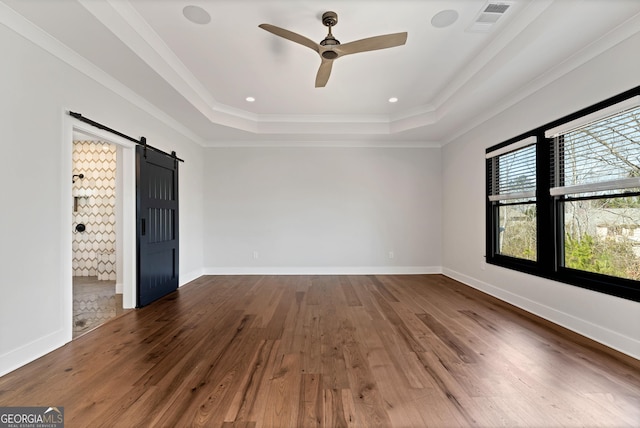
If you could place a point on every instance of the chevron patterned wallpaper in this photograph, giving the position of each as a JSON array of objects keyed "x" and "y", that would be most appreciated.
[{"x": 94, "y": 206}]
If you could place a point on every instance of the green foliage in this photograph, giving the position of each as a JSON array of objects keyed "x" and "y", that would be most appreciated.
[
  {"x": 611, "y": 255},
  {"x": 621, "y": 202},
  {"x": 519, "y": 232},
  {"x": 606, "y": 256}
]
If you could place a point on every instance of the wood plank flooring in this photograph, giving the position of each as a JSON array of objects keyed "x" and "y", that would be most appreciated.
[{"x": 331, "y": 351}]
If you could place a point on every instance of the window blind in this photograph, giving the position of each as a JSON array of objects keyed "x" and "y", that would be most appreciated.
[
  {"x": 600, "y": 157},
  {"x": 513, "y": 172},
  {"x": 593, "y": 117}
]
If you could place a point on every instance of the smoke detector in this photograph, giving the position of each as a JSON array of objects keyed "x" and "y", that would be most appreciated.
[{"x": 489, "y": 15}]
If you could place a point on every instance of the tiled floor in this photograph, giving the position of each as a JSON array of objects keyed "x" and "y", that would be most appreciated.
[{"x": 94, "y": 303}]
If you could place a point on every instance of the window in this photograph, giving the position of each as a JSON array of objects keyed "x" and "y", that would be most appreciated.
[
  {"x": 513, "y": 195},
  {"x": 596, "y": 179},
  {"x": 563, "y": 201}
]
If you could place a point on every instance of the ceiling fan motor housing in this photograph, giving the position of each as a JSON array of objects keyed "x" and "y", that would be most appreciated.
[{"x": 329, "y": 54}]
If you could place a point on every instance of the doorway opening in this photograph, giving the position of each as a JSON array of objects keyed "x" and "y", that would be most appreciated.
[
  {"x": 101, "y": 268},
  {"x": 95, "y": 297}
]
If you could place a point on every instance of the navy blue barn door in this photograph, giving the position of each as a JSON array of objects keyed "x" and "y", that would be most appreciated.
[{"x": 157, "y": 224}]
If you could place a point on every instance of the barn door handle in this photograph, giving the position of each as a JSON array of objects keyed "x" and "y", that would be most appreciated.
[{"x": 143, "y": 227}]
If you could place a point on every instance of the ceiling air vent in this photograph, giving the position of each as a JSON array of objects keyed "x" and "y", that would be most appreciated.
[
  {"x": 489, "y": 15},
  {"x": 496, "y": 8}
]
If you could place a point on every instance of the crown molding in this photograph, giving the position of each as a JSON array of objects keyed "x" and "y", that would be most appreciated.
[
  {"x": 454, "y": 90},
  {"x": 17, "y": 23},
  {"x": 127, "y": 24},
  {"x": 337, "y": 143},
  {"x": 619, "y": 34},
  {"x": 124, "y": 21}
]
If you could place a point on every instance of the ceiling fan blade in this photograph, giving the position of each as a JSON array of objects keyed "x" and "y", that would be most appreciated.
[
  {"x": 372, "y": 43},
  {"x": 290, "y": 35},
  {"x": 323, "y": 73}
]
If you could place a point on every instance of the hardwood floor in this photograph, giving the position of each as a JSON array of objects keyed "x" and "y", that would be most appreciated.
[{"x": 335, "y": 351}]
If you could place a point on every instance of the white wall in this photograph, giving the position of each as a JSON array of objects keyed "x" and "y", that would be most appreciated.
[
  {"x": 36, "y": 89},
  {"x": 610, "y": 320},
  {"x": 322, "y": 210}
]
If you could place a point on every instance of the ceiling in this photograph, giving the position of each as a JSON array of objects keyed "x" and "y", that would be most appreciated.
[{"x": 447, "y": 79}]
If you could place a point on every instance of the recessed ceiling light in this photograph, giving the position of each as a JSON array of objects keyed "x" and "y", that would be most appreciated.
[
  {"x": 196, "y": 14},
  {"x": 444, "y": 18},
  {"x": 393, "y": 100},
  {"x": 250, "y": 99}
]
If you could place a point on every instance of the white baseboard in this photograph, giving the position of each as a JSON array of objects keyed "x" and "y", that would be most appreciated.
[
  {"x": 25, "y": 354},
  {"x": 612, "y": 339},
  {"x": 323, "y": 270},
  {"x": 190, "y": 276}
]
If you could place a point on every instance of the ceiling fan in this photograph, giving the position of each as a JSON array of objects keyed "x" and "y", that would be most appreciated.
[{"x": 330, "y": 48}]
